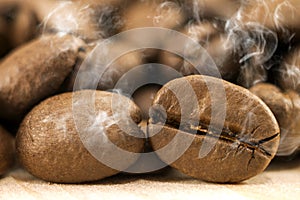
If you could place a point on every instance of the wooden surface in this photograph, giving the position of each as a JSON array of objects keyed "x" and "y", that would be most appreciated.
[{"x": 280, "y": 181}]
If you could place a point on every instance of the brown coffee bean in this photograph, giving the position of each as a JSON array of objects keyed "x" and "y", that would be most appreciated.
[
  {"x": 18, "y": 24},
  {"x": 54, "y": 138},
  {"x": 286, "y": 108},
  {"x": 212, "y": 8},
  {"x": 251, "y": 74},
  {"x": 7, "y": 147},
  {"x": 89, "y": 20},
  {"x": 202, "y": 33},
  {"x": 161, "y": 13},
  {"x": 280, "y": 16},
  {"x": 182, "y": 125},
  {"x": 143, "y": 97},
  {"x": 68, "y": 85},
  {"x": 155, "y": 14},
  {"x": 91, "y": 73},
  {"x": 34, "y": 72},
  {"x": 287, "y": 75},
  {"x": 215, "y": 44},
  {"x": 255, "y": 41},
  {"x": 120, "y": 67},
  {"x": 222, "y": 51}
]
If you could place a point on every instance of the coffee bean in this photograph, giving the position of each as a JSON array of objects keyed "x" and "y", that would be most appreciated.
[
  {"x": 280, "y": 16},
  {"x": 120, "y": 67},
  {"x": 89, "y": 20},
  {"x": 34, "y": 72},
  {"x": 222, "y": 51},
  {"x": 68, "y": 85},
  {"x": 18, "y": 24},
  {"x": 286, "y": 108},
  {"x": 161, "y": 13},
  {"x": 144, "y": 96},
  {"x": 215, "y": 43},
  {"x": 251, "y": 74},
  {"x": 6, "y": 151},
  {"x": 54, "y": 138},
  {"x": 158, "y": 14},
  {"x": 202, "y": 33},
  {"x": 187, "y": 129},
  {"x": 287, "y": 75},
  {"x": 92, "y": 73},
  {"x": 255, "y": 45},
  {"x": 212, "y": 8}
]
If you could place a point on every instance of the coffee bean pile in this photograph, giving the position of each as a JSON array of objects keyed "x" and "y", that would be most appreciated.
[{"x": 223, "y": 127}]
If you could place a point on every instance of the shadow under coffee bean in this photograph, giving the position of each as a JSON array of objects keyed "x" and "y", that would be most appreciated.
[{"x": 248, "y": 140}]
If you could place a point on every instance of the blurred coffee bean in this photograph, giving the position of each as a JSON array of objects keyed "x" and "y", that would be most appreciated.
[
  {"x": 223, "y": 9},
  {"x": 287, "y": 75},
  {"x": 17, "y": 24},
  {"x": 222, "y": 51},
  {"x": 201, "y": 33},
  {"x": 143, "y": 97},
  {"x": 105, "y": 71},
  {"x": 286, "y": 108},
  {"x": 281, "y": 16},
  {"x": 255, "y": 46},
  {"x": 251, "y": 74},
  {"x": 6, "y": 151},
  {"x": 119, "y": 68},
  {"x": 87, "y": 19},
  {"x": 34, "y": 72},
  {"x": 214, "y": 42},
  {"x": 158, "y": 13},
  {"x": 69, "y": 83}
]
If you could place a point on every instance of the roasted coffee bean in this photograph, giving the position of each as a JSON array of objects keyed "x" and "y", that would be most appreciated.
[
  {"x": 202, "y": 33},
  {"x": 18, "y": 24},
  {"x": 222, "y": 51},
  {"x": 6, "y": 151},
  {"x": 212, "y": 8},
  {"x": 52, "y": 140},
  {"x": 69, "y": 83},
  {"x": 287, "y": 75},
  {"x": 251, "y": 74},
  {"x": 143, "y": 97},
  {"x": 215, "y": 43},
  {"x": 91, "y": 73},
  {"x": 115, "y": 71},
  {"x": 286, "y": 108},
  {"x": 148, "y": 13},
  {"x": 34, "y": 72},
  {"x": 186, "y": 120},
  {"x": 88, "y": 19},
  {"x": 280, "y": 16},
  {"x": 255, "y": 45},
  {"x": 158, "y": 13}
]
